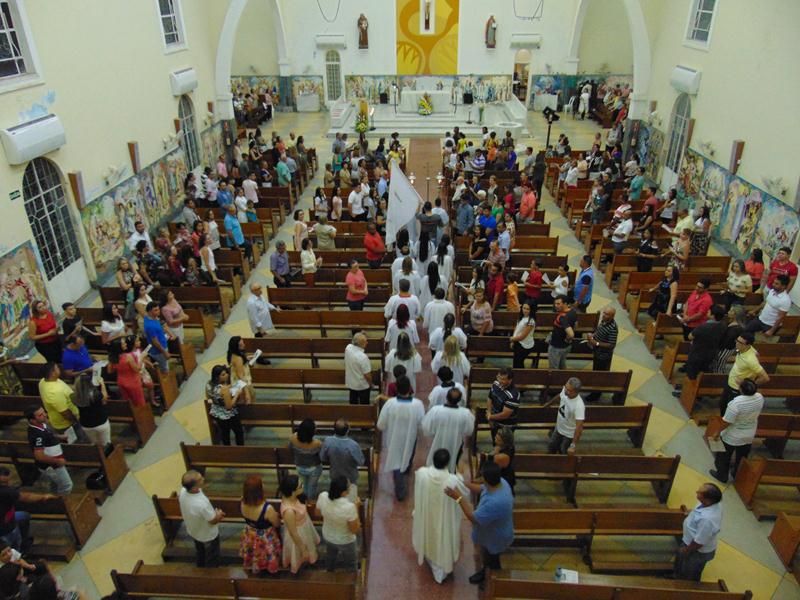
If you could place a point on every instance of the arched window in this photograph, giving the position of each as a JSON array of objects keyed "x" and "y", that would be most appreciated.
[
  {"x": 679, "y": 129},
  {"x": 48, "y": 214},
  {"x": 333, "y": 71},
  {"x": 188, "y": 132}
]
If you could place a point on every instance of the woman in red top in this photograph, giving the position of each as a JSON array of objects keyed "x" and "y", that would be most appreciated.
[
  {"x": 533, "y": 287},
  {"x": 43, "y": 330},
  {"x": 129, "y": 379},
  {"x": 356, "y": 286},
  {"x": 755, "y": 267}
]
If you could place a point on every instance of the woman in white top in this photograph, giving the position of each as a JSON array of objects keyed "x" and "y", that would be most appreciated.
[
  {"x": 451, "y": 356},
  {"x": 336, "y": 205},
  {"x": 320, "y": 204},
  {"x": 522, "y": 341},
  {"x": 738, "y": 428},
  {"x": 424, "y": 251},
  {"x": 404, "y": 354},
  {"x": 340, "y": 522},
  {"x": 440, "y": 334},
  {"x": 300, "y": 230},
  {"x": 428, "y": 285},
  {"x": 444, "y": 263},
  {"x": 401, "y": 323},
  {"x": 407, "y": 272},
  {"x": 140, "y": 304},
  {"x": 111, "y": 326},
  {"x": 213, "y": 230},
  {"x": 241, "y": 206},
  {"x": 309, "y": 262},
  {"x": 208, "y": 264},
  {"x": 560, "y": 284}
]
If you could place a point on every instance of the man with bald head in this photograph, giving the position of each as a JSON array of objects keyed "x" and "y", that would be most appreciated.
[
  {"x": 602, "y": 343},
  {"x": 344, "y": 455},
  {"x": 200, "y": 519},
  {"x": 357, "y": 370}
]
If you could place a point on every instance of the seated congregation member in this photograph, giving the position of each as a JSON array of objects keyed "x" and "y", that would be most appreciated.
[
  {"x": 399, "y": 421},
  {"x": 480, "y": 314},
  {"x": 768, "y": 317},
  {"x": 737, "y": 286},
  {"x": 260, "y": 544}
]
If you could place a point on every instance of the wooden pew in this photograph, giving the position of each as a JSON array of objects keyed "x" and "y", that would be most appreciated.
[
  {"x": 535, "y": 245},
  {"x": 92, "y": 318},
  {"x": 257, "y": 458},
  {"x": 119, "y": 411},
  {"x": 341, "y": 257},
  {"x": 520, "y": 262},
  {"x": 775, "y": 429},
  {"x": 495, "y": 346},
  {"x": 755, "y": 472},
  {"x": 626, "y": 263},
  {"x": 785, "y": 538},
  {"x": 229, "y": 584},
  {"x": 539, "y": 585},
  {"x": 183, "y": 353},
  {"x": 771, "y": 356},
  {"x": 305, "y": 380},
  {"x": 324, "y": 297},
  {"x": 643, "y": 300},
  {"x": 79, "y": 511},
  {"x": 506, "y": 321},
  {"x": 81, "y": 456},
  {"x": 326, "y": 321},
  {"x": 335, "y": 277},
  {"x": 536, "y": 527},
  {"x": 572, "y": 469},
  {"x": 203, "y": 297},
  {"x": 711, "y": 384},
  {"x": 314, "y": 349},
  {"x": 636, "y": 282},
  {"x": 170, "y": 519}
]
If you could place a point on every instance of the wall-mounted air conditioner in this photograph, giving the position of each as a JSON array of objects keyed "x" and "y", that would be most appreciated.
[
  {"x": 182, "y": 81},
  {"x": 526, "y": 40},
  {"x": 35, "y": 138},
  {"x": 330, "y": 40},
  {"x": 685, "y": 79}
]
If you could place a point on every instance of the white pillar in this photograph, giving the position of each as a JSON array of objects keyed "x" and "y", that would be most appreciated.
[{"x": 223, "y": 108}]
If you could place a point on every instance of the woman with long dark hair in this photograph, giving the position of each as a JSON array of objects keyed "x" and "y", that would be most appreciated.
[
  {"x": 666, "y": 293},
  {"x": 240, "y": 368},
  {"x": 440, "y": 334},
  {"x": 223, "y": 406},
  {"x": 522, "y": 341},
  {"x": 305, "y": 449},
  {"x": 444, "y": 262},
  {"x": 404, "y": 354},
  {"x": 401, "y": 323},
  {"x": 423, "y": 250},
  {"x": 428, "y": 286},
  {"x": 755, "y": 267}
]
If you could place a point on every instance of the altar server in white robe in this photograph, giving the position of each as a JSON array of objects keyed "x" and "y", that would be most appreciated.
[
  {"x": 399, "y": 421},
  {"x": 433, "y": 315},
  {"x": 448, "y": 424},
  {"x": 438, "y": 394},
  {"x": 436, "y": 534}
]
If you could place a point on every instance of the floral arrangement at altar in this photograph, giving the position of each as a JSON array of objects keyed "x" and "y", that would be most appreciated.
[
  {"x": 425, "y": 106},
  {"x": 481, "y": 109},
  {"x": 362, "y": 117}
]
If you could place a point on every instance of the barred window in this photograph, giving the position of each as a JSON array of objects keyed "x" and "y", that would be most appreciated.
[
  {"x": 679, "y": 129},
  {"x": 333, "y": 70},
  {"x": 188, "y": 132},
  {"x": 171, "y": 23},
  {"x": 701, "y": 19}
]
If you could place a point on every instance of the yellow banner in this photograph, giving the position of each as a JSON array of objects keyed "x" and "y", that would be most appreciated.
[{"x": 427, "y": 37}]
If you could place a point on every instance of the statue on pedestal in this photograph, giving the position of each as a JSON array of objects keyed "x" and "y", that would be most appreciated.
[
  {"x": 490, "y": 33},
  {"x": 363, "y": 33}
]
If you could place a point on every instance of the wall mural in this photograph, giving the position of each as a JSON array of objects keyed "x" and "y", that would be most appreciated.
[
  {"x": 20, "y": 283},
  {"x": 251, "y": 84},
  {"x": 561, "y": 84},
  {"x": 212, "y": 143},
  {"x": 427, "y": 53},
  {"x": 152, "y": 196},
  {"x": 308, "y": 84},
  {"x": 743, "y": 216},
  {"x": 370, "y": 86}
]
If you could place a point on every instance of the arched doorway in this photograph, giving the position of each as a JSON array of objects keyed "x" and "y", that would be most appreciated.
[
  {"x": 677, "y": 139},
  {"x": 522, "y": 73}
]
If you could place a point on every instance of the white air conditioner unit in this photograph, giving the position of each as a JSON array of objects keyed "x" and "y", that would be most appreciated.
[
  {"x": 182, "y": 81},
  {"x": 330, "y": 40},
  {"x": 35, "y": 138},
  {"x": 685, "y": 79},
  {"x": 526, "y": 40}
]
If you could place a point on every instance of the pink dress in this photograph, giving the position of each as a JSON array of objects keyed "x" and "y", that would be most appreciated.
[{"x": 307, "y": 533}]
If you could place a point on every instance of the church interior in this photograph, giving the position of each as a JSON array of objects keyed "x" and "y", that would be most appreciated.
[{"x": 217, "y": 132}]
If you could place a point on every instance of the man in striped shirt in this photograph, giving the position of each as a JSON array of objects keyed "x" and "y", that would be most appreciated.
[{"x": 602, "y": 342}]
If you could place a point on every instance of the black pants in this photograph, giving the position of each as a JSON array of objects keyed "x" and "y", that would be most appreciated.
[
  {"x": 489, "y": 560},
  {"x": 51, "y": 351},
  {"x": 686, "y": 332},
  {"x": 233, "y": 424},
  {"x": 359, "y": 396},
  {"x": 729, "y": 299},
  {"x": 696, "y": 365},
  {"x": 537, "y": 186},
  {"x": 207, "y": 553},
  {"x": 722, "y": 460},
  {"x": 355, "y": 304},
  {"x": 287, "y": 282},
  {"x": 728, "y": 394},
  {"x": 520, "y": 354},
  {"x": 601, "y": 361},
  {"x": 375, "y": 264}
]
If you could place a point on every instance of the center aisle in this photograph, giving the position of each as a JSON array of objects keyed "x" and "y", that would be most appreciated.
[{"x": 392, "y": 560}]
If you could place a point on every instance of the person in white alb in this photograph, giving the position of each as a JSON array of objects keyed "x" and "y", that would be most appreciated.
[
  {"x": 569, "y": 422},
  {"x": 250, "y": 188},
  {"x": 438, "y": 394},
  {"x": 449, "y": 424},
  {"x": 357, "y": 370},
  {"x": 258, "y": 313},
  {"x": 738, "y": 428},
  {"x": 404, "y": 297},
  {"x": 200, "y": 519},
  {"x": 701, "y": 529},
  {"x": 436, "y": 310},
  {"x": 436, "y": 532}
]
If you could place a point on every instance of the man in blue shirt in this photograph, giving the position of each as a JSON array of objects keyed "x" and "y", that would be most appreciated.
[
  {"x": 284, "y": 175},
  {"x": 156, "y": 338},
  {"x": 224, "y": 195},
  {"x": 279, "y": 265},
  {"x": 488, "y": 222},
  {"x": 76, "y": 359},
  {"x": 700, "y": 532},
  {"x": 465, "y": 216},
  {"x": 343, "y": 454},
  {"x": 381, "y": 186},
  {"x": 235, "y": 235},
  {"x": 492, "y": 520}
]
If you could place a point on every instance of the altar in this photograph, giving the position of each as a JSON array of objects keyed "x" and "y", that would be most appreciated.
[{"x": 440, "y": 100}]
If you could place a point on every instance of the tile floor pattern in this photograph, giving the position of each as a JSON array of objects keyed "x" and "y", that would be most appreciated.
[{"x": 129, "y": 530}]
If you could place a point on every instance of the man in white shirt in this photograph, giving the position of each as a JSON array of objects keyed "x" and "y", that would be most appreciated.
[
  {"x": 569, "y": 422},
  {"x": 357, "y": 370},
  {"x": 700, "y": 532},
  {"x": 404, "y": 297},
  {"x": 449, "y": 424},
  {"x": 571, "y": 180},
  {"x": 355, "y": 203},
  {"x": 619, "y": 237},
  {"x": 436, "y": 310},
  {"x": 258, "y": 313},
  {"x": 200, "y": 519},
  {"x": 739, "y": 424},
  {"x": 504, "y": 238},
  {"x": 442, "y": 214},
  {"x": 460, "y": 188},
  {"x": 436, "y": 535},
  {"x": 399, "y": 421},
  {"x": 141, "y": 234},
  {"x": 773, "y": 309},
  {"x": 250, "y": 188}
]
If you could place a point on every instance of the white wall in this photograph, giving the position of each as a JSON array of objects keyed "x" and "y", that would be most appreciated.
[
  {"x": 256, "y": 52},
  {"x": 605, "y": 44}
]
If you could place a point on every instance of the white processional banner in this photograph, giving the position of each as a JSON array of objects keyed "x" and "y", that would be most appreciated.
[{"x": 403, "y": 204}]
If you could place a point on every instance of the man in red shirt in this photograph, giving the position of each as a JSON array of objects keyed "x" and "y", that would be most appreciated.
[
  {"x": 651, "y": 199},
  {"x": 373, "y": 243},
  {"x": 528, "y": 205},
  {"x": 494, "y": 286},
  {"x": 782, "y": 265},
  {"x": 696, "y": 307},
  {"x": 533, "y": 287}
]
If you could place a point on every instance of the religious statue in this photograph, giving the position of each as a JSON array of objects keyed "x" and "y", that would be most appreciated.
[
  {"x": 427, "y": 15},
  {"x": 363, "y": 33},
  {"x": 491, "y": 32}
]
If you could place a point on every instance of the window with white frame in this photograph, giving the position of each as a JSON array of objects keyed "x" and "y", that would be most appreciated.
[
  {"x": 679, "y": 131},
  {"x": 171, "y": 23},
  {"x": 15, "y": 57},
  {"x": 48, "y": 215},
  {"x": 333, "y": 71},
  {"x": 701, "y": 19},
  {"x": 188, "y": 132}
]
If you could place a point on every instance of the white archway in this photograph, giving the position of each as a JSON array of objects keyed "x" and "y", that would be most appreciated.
[
  {"x": 640, "y": 42},
  {"x": 223, "y": 108}
]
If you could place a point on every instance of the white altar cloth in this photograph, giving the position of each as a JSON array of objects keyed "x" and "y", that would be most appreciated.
[{"x": 440, "y": 99}]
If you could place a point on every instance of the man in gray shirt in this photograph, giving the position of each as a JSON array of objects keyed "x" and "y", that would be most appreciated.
[{"x": 343, "y": 454}]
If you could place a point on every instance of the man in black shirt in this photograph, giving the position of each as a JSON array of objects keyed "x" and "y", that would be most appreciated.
[
  {"x": 14, "y": 524},
  {"x": 562, "y": 335},
  {"x": 503, "y": 402},
  {"x": 72, "y": 323},
  {"x": 47, "y": 455},
  {"x": 706, "y": 340}
]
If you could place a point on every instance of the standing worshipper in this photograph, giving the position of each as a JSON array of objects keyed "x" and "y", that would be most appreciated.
[
  {"x": 439, "y": 393},
  {"x": 357, "y": 370},
  {"x": 492, "y": 519},
  {"x": 503, "y": 402},
  {"x": 448, "y": 424},
  {"x": 258, "y": 313},
  {"x": 435, "y": 311},
  {"x": 602, "y": 342},
  {"x": 700, "y": 531},
  {"x": 436, "y": 535},
  {"x": 569, "y": 422},
  {"x": 400, "y": 419},
  {"x": 200, "y": 518},
  {"x": 562, "y": 335},
  {"x": 584, "y": 283},
  {"x": 344, "y": 456},
  {"x": 745, "y": 366},
  {"x": 43, "y": 331},
  {"x": 737, "y": 430}
]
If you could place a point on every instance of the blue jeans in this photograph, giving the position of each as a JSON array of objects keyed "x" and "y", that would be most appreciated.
[
  {"x": 310, "y": 478},
  {"x": 347, "y": 552},
  {"x": 59, "y": 480},
  {"x": 19, "y": 535}
]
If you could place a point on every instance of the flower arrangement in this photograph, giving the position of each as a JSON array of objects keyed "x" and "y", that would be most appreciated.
[
  {"x": 425, "y": 107},
  {"x": 362, "y": 123}
]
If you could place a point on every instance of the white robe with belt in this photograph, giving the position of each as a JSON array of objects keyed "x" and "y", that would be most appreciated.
[
  {"x": 448, "y": 427},
  {"x": 399, "y": 421},
  {"x": 437, "y": 519}
]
